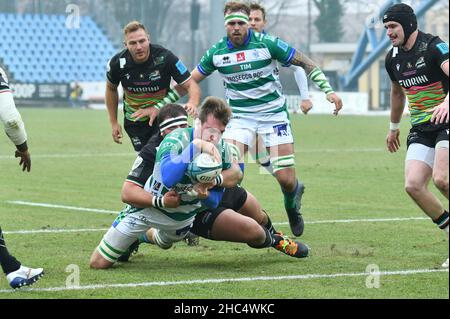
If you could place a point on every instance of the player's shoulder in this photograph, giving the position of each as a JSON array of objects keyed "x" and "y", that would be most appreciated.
[
  {"x": 150, "y": 149},
  {"x": 435, "y": 41},
  {"x": 117, "y": 60},
  {"x": 219, "y": 47},
  {"x": 158, "y": 50},
  {"x": 182, "y": 135}
]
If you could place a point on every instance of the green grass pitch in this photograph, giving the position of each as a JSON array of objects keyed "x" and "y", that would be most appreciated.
[{"x": 342, "y": 161}]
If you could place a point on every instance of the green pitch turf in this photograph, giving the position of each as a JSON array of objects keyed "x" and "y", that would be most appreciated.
[{"x": 348, "y": 176}]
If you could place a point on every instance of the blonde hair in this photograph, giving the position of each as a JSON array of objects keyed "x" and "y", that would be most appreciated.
[{"x": 132, "y": 27}]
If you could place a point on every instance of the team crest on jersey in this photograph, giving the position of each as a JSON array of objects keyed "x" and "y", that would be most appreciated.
[
  {"x": 240, "y": 57},
  {"x": 155, "y": 76},
  {"x": 159, "y": 60},
  {"x": 423, "y": 47},
  {"x": 409, "y": 65},
  {"x": 421, "y": 63}
]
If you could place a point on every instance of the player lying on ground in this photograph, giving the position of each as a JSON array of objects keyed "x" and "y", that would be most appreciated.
[{"x": 220, "y": 224}]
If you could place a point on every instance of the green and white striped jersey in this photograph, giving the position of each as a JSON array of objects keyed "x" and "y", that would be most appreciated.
[
  {"x": 250, "y": 73},
  {"x": 174, "y": 144}
]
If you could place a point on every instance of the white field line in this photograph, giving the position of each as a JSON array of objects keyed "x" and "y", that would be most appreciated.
[
  {"x": 336, "y": 221},
  {"x": 345, "y": 150},
  {"x": 368, "y": 220},
  {"x": 229, "y": 280},
  {"x": 83, "y": 209},
  {"x": 89, "y": 155},
  {"x": 53, "y": 231}
]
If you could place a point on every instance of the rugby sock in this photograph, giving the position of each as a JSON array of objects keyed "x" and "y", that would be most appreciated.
[
  {"x": 269, "y": 225},
  {"x": 442, "y": 221},
  {"x": 289, "y": 198},
  {"x": 269, "y": 242},
  {"x": 8, "y": 262}
]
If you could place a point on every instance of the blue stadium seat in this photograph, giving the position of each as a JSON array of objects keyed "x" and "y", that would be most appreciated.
[{"x": 54, "y": 53}]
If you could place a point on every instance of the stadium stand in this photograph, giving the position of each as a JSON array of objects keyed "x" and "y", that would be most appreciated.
[{"x": 40, "y": 48}]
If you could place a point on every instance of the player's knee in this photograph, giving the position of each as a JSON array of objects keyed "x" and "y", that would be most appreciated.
[
  {"x": 413, "y": 188},
  {"x": 441, "y": 182},
  {"x": 286, "y": 178},
  {"x": 98, "y": 262}
]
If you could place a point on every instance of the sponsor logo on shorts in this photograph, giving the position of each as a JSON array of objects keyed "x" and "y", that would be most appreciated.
[{"x": 281, "y": 130}]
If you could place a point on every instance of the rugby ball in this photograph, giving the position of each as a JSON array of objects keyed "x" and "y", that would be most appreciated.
[{"x": 203, "y": 169}]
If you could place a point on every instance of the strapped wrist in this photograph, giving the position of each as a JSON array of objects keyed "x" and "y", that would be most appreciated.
[
  {"x": 158, "y": 202},
  {"x": 394, "y": 126},
  {"x": 219, "y": 180}
]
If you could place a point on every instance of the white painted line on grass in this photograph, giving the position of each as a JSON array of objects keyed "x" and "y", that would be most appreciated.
[
  {"x": 344, "y": 221},
  {"x": 83, "y": 209},
  {"x": 87, "y": 155},
  {"x": 53, "y": 231},
  {"x": 369, "y": 220},
  {"x": 348, "y": 150},
  {"x": 229, "y": 280}
]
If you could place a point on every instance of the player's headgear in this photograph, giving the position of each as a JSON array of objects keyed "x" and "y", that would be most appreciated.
[{"x": 403, "y": 14}]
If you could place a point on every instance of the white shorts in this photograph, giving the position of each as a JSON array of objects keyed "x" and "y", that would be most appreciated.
[
  {"x": 423, "y": 153},
  {"x": 274, "y": 129},
  {"x": 132, "y": 223}
]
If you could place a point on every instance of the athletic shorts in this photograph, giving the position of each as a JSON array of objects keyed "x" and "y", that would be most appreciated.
[
  {"x": 423, "y": 140},
  {"x": 233, "y": 198},
  {"x": 140, "y": 133},
  {"x": 133, "y": 222},
  {"x": 274, "y": 129}
]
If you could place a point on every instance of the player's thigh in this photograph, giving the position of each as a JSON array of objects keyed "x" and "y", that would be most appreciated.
[
  {"x": 234, "y": 227},
  {"x": 418, "y": 165},
  {"x": 252, "y": 208}
]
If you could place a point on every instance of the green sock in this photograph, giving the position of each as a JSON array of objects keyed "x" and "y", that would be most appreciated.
[{"x": 289, "y": 198}]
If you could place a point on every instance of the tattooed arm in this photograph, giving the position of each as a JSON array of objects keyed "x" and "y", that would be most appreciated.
[{"x": 317, "y": 76}]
